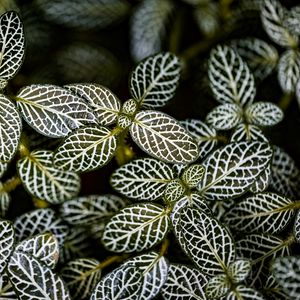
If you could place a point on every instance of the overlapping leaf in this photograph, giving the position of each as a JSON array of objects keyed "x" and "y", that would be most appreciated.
[
  {"x": 248, "y": 132},
  {"x": 264, "y": 212},
  {"x": 231, "y": 170},
  {"x": 7, "y": 239},
  {"x": 262, "y": 182},
  {"x": 184, "y": 283},
  {"x": 81, "y": 276},
  {"x": 217, "y": 287},
  {"x": 193, "y": 175},
  {"x": 136, "y": 228},
  {"x": 12, "y": 45},
  {"x": 89, "y": 210},
  {"x": 174, "y": 191},
  {"x": 123, "y": 283},
  {"x": 291, "y": 20},
  {"x": 43, "y": 246},
  {"x": 153, "y": 82},
  {"x": 154, "y": 268},
  {"x": 225, "y": 116},
  {"x": 209, "y": 244},
  {"x": 264, "y": 114},
  {"x": 204, "y": 135},
  {"x": 260, "y": 56},
  {"x": 239, "y": 270},
  {"x": 86, "y": 149},
  {"x": 242, "y": 292},
  {"x": 230, "y": 78},
  {"x": 272, "y": 289},
  {"x": 286, "y": 271},
  {"x": 10, "y": 127},
  {"x": 40, "y": 221},
  {"x": 52, "y": 110},
  {"x": 33, "y": 280},
  {"x": 142, "y": 179},
  {"x": 6, "y": 290},
  {"x": 272, "y": 16},
  {"x": 148, "y": 27},
  {"x": 289, "y": 70},
  {"x": 162, "y": 137},
  {"x": 45, "y": 181},
  {"x": 103, "y": 102}
]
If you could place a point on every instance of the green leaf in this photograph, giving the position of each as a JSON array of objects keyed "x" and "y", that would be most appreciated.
[
  {"x": 10, "y": 127},
  {"x": 217, "y": 287},
  {"x": 89, "y": 210},
  {"x": 262, "y": 182},
  {"x": 285, "y": 175},
  {"x": 91, "y": 14},
  {"x": 148, "y": 27},
  {"x": 43, "y": 246},
  {"x": 264, "y": 114},
  {"x": 242, "y": 292},
  {"x": 136, "y": 228},
  {"x": 7, "y": 240},
  {"x": 81, "y": 276},
  {"x": 286, "y": 271},
  {"x": 193, "y": 175},
  {"x": 86, "y": 149},
  {"x": 40, "y": 221},
  {"x": 289, "y": 70},
  {"x": 43, "y": 180},
  {"x": 225, "y": 117},
  {"x": 204, "y": 135},
  {"x": 223, "y": 180},
  {"x": 142, "y": 179},
  {"x": 162, "y": 137},
  {"x": 208, "y": 243},
  {"x": 154, "y": 268},
  {"x": 174, "y": 191},
  {"x": 264, "y": 212},
  {"x": 272, "y": 16},
  {"x": 230, "y": 78},
  {"x": 184, "y": 283},
  {"x": 103, "y": 102},
  {"x": 239, "y": 270},
  {"x": 33, "y": 280},
  {"x": 248, "y": 132},
  {"x": 123, "y": 283},
  {"x": 52, "y": 110},
  {"x": 261, "y": 57},
  {"x": 12, "y": 45},
  {"x": 154, "y": 81},
  {"x": 6, "y": 290}
]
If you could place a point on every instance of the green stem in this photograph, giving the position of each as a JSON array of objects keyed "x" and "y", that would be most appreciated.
[
  {"x": 11, "y": 184},
  {"x": 124, "y": 152},
  {"x": 285, "y": 101},
  {"x": 24, "y": 146},
  {"x": 164, "y": 247}
]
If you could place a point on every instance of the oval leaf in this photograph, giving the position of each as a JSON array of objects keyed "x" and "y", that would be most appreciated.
[
  {"x": 162, "y": 137},
  {"x": 217, "y": 287},
  {"x": 222, "y": 180},
  {"x": 239, "y": 270},
  {"x": 129, "y": 230},
  {"x": 86, "y": 149}
]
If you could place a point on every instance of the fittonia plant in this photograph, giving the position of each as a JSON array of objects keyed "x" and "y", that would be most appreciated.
[{"x": 213, "y": 213}]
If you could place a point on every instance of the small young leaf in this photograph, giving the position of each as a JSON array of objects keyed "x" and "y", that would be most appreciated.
[
  {"x": 89, "y": 210},
  {"x": 184, "y": 283},
  {"x": 154, "y": 268},
  {"x": 272, "y": 16},
  {"x": 81, "y": 276},
  {"x": 289, "y": 70},
  {"x": 161, "y": 136},
  {"x": 103, "y": 102},
  {"x": 148, "y": 27},
  {"x": 40, "y": 221},
  {"x": 52, "y": 110},
  {"x": 43, "y": 180},
  {"x": 12, "y": 45},
  {"x": 239, "y": 270},
  {"x": 264, "y": 114},
  {"x": 209, "y": 243},
  {"x": 217, "y": 287},
  {"x": 86, "y": 149},
  {"x": 142, "y": 179},
  {"x": 33, "y": 280},
  {"x": 286, "y": 271},
  {"x": 154, "y": 81},
  {"x": 264, "y": 212},
  {"x": 43, "y": 246},
  {"x": 11, "y": 127},
  {"x": 204, "y": 135},
  {"x": 225, "y": 117},
  {"x": 242, "y": 292},
  {"x": 249, "y": 133},
  {"x": 174, "y": 191},
  {"x": 230, "y": 78},
  {"x": 223, "y": 180},
  {"x": 7, "y": 240},
  {"x": 193, "y": 175},
  {"x": 136, "y": 228},
  {"x": 123, "y": 283}
]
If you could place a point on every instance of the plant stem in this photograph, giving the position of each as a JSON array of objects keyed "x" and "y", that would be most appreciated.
[
  {"x": 176, "y": 32},
  {"x": 11, "y": 184},
  {"x": 40, "y": 203},
  {"x": 124, "y": 152},
  {"x": 285, "y": 100},
  {"x": 164, "y": 247},
  {"x": 24, "y": 146},
  {"x": 112, "y": 259}
]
